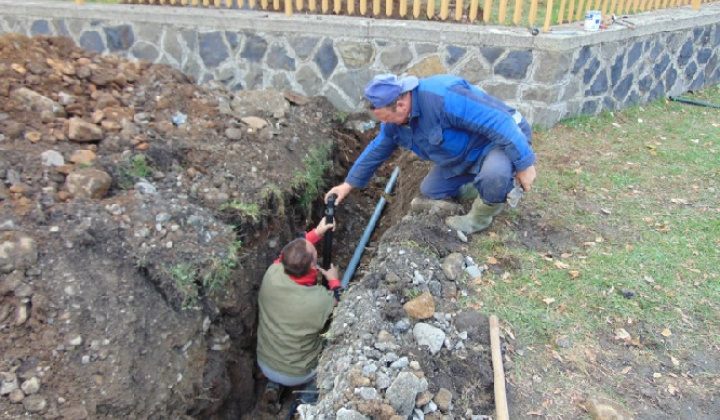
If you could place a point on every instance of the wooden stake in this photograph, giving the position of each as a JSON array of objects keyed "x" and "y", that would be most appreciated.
[{"x": 501, "y": 407}]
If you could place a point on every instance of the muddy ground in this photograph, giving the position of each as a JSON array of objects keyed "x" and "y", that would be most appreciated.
[{"x": 138, "y": 213}]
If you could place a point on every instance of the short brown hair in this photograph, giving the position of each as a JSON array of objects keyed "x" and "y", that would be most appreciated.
[{"x": 296, "y": 259}]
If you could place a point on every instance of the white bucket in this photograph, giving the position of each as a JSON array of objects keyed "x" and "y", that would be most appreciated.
[{"x": 592, "y": 20}]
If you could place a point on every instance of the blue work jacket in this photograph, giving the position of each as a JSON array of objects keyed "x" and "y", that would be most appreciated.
[{"x": 453, "y": 124}]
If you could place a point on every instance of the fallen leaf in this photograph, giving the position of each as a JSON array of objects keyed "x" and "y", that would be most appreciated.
[
  {"x": 621, "y": 334},
  {"x": 548, "y": 300},
  {"x": 679, "y": 201},
  {"x": 492, "y": 260},
  {"x": 561, "y": 265},
  {"x": 534, "y": 413},
  {"x": 605, "y": 211},
  {"x": 626, "y": 370},
  {"x": 649, "y": 279},
  {"x": 574, "y": 273},
  {"x": 666, "y": 333},
  {"x": 493, "y": 235},
  {"x": 674, "y": 361},
  {"x": 657, "y": 375},
  {"x": 672, "y": 390},
  {"x": 599, "y": 239},
  {"x": 566, "y": 255}
]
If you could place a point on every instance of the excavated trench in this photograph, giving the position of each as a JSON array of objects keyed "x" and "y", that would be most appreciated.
[{"x": 263, "y": 243}]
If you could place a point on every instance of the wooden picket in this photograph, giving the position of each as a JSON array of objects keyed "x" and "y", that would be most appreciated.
[{"x": 493, "y": 11}]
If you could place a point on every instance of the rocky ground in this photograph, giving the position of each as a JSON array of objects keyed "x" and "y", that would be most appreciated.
[{"x": 138, "y": 212}]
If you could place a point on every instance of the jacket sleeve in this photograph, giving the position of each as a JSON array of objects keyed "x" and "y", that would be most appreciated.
[
  {"x": 484, "y": 115},
  {"x": 377, "y": 152}
]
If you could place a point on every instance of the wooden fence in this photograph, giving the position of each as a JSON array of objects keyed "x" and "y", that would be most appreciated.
[{"x": 496, "y": 12}]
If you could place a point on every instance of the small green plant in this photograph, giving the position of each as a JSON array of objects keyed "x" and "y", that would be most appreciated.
[
  {"x": 184, "y": 275},
  {"x": 273, "y": 192},
  {"x": 221, "y": 269},
  {"x": 311, "y": 179},
  {"x": 85, "y": 165},
  {"x": 251, "y": 210},
  {"x": 341, "y": 116},
  {"x": 139, "y": 167},
  {"x": 132, "y": 169}
]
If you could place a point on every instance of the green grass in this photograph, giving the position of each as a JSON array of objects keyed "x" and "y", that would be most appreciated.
[
  {"x": 635, "y": 196},
  {"x": 620, "y": 232}
]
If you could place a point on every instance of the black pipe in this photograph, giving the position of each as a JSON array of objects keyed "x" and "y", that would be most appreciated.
[
  {"x": 690, "y": 101},
  {"x": 327, "y": 239}
]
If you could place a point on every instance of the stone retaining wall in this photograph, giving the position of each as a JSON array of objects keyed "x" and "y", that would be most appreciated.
[{"x": 548, "y": 77}]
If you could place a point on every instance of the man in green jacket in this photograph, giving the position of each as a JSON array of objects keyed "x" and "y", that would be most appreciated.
[{"x": 293, "y": 312}]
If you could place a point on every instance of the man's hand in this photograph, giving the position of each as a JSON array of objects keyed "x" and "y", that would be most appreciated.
[
  {"x": 331, "y": 274},
  {"x": 341, "y": 191},
  {"x": 323, "y": 227},
  {"x": 526, "y": 178}
]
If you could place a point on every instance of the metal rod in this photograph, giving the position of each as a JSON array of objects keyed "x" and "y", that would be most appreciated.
[{"x": 368, "y": 230}]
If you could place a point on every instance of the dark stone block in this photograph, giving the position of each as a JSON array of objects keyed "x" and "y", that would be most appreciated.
[
  {"x": 699, "y": 81},
  {"x": 255, "y": 48},
  {"x": 633, "y": 98},
  {"x": 279, "y": 59},
  {"x": 656, "y": 50},
  {"x": 119, "y": 38},
  {"x": 303, "y": 46},
  {"x": 599, "y": 86},
  {"x": 145, "y": 51},
  {"x": 96, "y": 22},
  {"x": 690, "y": 70},
  {"x": 634, "y": 54},
  {"x": 660, "y": 67},
  {"x": 40, "y": 27},
  {"x": 671, "y": 78},
  {"x": 589, "y": 107},
  {"x": 232, "y": 39},
  {"x": 608, "y": 103},
  {"x": 621, "y": 89},
  {"x": 590, "y": 71},
  {"x": 686, "y": 52},
  {"x": 697, "y": 33},
  {"x": 61, "y": 28},
  {"x": 706, "y": 36},
  {"x": 491, "y": 54},
  {"x": 616, "y": 70},
  {"x": 92, "y": 41},
  {"x": 582, "y": 59},
  {"x": 456, "y": 53},
  {"x": 326, "y": 59},
  {"x": 190, "y": 38},
  {"x": 212, "y": 49},
  {"x": 645, "y": 83},
  {"x": 704, "y": 55},
  {"x": 657, "y": 92},
  {"x": 515, "y": 65}
]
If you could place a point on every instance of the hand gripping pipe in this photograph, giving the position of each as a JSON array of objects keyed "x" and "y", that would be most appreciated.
[{"x": 368, "y": 230}]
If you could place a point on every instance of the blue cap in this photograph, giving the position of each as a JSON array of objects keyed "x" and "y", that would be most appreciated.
[{"x": 384, "y": 89}]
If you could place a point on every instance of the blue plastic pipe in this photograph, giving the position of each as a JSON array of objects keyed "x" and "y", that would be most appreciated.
[{"x": 368, "y": 231}]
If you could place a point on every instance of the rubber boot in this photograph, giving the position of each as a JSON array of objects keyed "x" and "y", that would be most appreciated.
[
  {"x": 467, "y": 192},
  {"x": 478, "y": 218}
]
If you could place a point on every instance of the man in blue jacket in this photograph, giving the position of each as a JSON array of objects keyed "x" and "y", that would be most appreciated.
[{"x": 479, "y": 144}]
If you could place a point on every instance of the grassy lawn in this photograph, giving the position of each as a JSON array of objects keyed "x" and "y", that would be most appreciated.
[{"x": 614, "y": 256}]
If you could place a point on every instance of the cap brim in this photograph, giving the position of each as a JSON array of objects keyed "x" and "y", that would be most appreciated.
[{"x": 408, "y": 83}]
